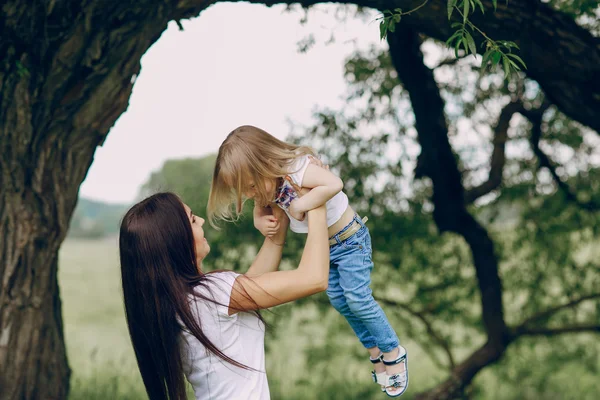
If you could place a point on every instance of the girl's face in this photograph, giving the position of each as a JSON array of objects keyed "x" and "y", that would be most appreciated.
[
  {"x": 252, "y": 189},
  {"x": 202, "y": 246}
]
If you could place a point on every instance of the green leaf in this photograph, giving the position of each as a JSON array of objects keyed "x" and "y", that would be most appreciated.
[
  {"x": 516, "y": 57},
  {"x": 466, "y": 4},
  {"x": 480, "y": 4},
  {"x": 454, "y": 36},
  {"x": 456, "y": 25},
  {"x": 397, "y": 18},
  {"x": 486, "y": 58},
  {"x": 451, "y": 4},
  {"x": 392, "y": 26},
  {"x": 457, "y": 46},
  {"x": 506, "y": 66},
  {"x": 383, "y": 29},
  {"x": 496, "y": 57},
  {"x": 508, "y": 44},
  {"x": 495, "y": 3},
  {"x": 514, "y": 65},
  {"x": 21, "y": 69},
  {"x": 398, "y": 10},
  {"x": 471, "y": 43}
]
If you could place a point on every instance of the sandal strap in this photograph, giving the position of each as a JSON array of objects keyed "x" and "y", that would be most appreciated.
[
  {"x": 396, "y": 380},
  {"x": 376, "y": 360},
  {"x": 401, "y": 358},
  {"x": 380, "y": 378}
]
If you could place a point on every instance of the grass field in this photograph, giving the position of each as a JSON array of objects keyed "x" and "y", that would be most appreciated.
[
  {"x": 102, "y": 359},
  {"x": 98, "y": 346},
  {"x": 103, "y": 363}
]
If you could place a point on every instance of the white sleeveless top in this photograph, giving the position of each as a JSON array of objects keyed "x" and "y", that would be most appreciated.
[
  {"x": 336, "y": 206},
  {"x": 240, "y": 336}
]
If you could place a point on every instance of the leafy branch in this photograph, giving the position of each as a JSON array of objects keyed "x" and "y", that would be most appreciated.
[
  {"x": 497, "y": 52},
  {"x": 389, "y": 19}
]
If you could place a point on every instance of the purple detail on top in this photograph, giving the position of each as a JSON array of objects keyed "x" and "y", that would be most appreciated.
[{"x": 285, "y": 195}]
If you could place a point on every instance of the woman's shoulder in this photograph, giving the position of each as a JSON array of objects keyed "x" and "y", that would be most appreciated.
[
  {"x": 217, "y": 280},
  {"x": 217, "y": 286}
]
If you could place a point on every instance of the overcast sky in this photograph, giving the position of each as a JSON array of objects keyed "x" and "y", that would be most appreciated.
[{"x": 235, "y": 64}]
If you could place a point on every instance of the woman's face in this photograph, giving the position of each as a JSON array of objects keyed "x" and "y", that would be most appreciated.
[{"x": 202, "y": 247}]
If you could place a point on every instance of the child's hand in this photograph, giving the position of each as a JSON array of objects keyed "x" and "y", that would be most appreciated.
[{"x": 267, "y": 224}]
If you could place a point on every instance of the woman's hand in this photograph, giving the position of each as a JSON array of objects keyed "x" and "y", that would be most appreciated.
[{"x": 301, "y": 192}]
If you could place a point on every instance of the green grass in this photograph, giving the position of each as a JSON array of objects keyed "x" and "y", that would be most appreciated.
[
  {"x": 98, "y": 346},
  {"x": 311, "y": 355},
  {"x": 103, "y": 362}
]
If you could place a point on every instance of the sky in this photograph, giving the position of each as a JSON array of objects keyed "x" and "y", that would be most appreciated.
[{"x": 233, "y": 65}]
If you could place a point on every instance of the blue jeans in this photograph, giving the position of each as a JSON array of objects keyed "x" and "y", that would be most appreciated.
[{"x": 349, "y": 291}]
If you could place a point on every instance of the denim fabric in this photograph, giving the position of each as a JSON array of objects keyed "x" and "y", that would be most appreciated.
[{"x": 350, "y": 294}]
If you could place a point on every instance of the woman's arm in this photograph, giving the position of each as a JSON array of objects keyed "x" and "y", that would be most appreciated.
[
  {"x": 274, "y": 288},
  {"x": 269, "y": 255}
]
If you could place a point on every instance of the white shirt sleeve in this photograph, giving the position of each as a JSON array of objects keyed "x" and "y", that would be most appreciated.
[
  {"x": 220, "y": 285},
  {"x": 298, "y": 169}
]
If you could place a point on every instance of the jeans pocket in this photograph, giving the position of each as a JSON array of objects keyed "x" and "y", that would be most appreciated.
[{"x": 358, "y": 241}]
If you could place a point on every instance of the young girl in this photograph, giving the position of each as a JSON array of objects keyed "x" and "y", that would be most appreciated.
[{"x": 252, "y": 164}]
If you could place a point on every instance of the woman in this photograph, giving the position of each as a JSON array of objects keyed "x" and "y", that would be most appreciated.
[{"x": 205, "y": 326}]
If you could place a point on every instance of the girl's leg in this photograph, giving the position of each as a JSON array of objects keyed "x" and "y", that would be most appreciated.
[
  {"x": 354, "y": 268},
  {"x": 338, "y": 301}
]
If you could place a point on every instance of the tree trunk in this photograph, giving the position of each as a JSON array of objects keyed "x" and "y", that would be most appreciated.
[
  {"x": 437, "y": 161},
  {"x": 66, "y": 74}
]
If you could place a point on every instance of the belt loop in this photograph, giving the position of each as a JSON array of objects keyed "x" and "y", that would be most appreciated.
[{"x": 335, "y": 238}]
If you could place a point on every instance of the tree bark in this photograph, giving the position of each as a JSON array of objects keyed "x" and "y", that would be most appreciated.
[
  {"x": 438, "y": 162},
  {"x": 66, "y": 73},
  {"x": 498, "y": 159}
]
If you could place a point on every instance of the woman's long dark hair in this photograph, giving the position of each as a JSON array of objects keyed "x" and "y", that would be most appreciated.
[{"x": 159, "y": 271}]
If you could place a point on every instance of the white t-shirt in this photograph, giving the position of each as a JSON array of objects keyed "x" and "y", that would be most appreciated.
[
  {"x": 240, "y": 336},
  {"x": 336, "y": 206}
]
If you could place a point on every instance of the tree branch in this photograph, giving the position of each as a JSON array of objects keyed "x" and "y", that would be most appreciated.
[
  {"x": 450, "y": 61},
  {"x": 420, "y": 315},
  {"x": 536, "y": 119},
  {"x": 498, "y": 159},
  {"x": 547, "y": 331},
  {"x": 437, "y": 338},
  {"x": 544, "y": 315}
]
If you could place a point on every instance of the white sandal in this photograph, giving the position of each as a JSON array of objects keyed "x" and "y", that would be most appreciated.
[
  {"x": 399, "y": 380},
  {"x": 379, "y": 378}
]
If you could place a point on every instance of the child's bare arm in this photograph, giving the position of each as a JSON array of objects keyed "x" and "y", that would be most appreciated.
[{"x": 323, "y": 184}]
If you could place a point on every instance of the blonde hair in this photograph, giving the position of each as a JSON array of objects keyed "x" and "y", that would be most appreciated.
[{"x": 248, "y": 154}]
